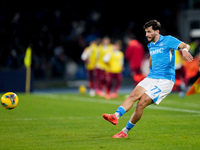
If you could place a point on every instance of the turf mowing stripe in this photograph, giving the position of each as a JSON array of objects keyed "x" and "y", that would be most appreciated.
[{"x": 103, "y": 101}]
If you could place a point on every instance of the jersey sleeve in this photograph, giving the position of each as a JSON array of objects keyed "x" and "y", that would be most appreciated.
[
  {"x": 173, "y": 42},
  {"x": 85, "y": 54}
]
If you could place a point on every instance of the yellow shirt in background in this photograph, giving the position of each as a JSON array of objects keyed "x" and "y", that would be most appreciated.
[
  {"x": 178, "y": 60},
  {"x": 116, "y": 62},
  {"x": 91, "y": 61},
  {"x": 102, "y": 51}
]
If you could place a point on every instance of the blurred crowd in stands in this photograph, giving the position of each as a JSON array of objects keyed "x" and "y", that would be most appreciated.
[{"x": 59, "y": 32}]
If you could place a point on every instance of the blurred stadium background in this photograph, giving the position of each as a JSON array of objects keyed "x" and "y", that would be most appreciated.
[{"x": 58, "y": 32}]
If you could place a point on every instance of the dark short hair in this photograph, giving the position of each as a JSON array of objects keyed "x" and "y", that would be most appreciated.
[
  {"x": 154, "y": 23},
  {"x": 118, "y": 42}
]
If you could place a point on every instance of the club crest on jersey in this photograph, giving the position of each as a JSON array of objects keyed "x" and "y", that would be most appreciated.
[{"x": 156, "y": 51}]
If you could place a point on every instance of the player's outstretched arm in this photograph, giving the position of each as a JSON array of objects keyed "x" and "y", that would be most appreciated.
[{"x": 185, "y": 48}]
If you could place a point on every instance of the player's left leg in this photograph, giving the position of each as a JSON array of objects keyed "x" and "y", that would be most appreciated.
[
  {"x": 144, "y": 101},
  {"x": 97, "y": 78},
  {"x": 125, "y": 106},
  {"x": 92, "y": 84},
  {"x": 101, "y": 77},
  {"x": 109, "y": 79},
  {"x": 118, "y": 78}
]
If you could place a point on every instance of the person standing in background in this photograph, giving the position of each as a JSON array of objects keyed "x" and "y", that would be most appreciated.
[
  {"x": 101, "y": 66},
  {"x": 134, "y": 54},
  {"x": 89, "y": 57},
  {"x": 115, "y": 61}
]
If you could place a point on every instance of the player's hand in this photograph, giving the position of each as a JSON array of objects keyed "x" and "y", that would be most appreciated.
[{"x": 187, "y": 56}]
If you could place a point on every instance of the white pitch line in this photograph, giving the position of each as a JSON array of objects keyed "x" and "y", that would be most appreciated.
[
  {"x": 103, "y": 101},
  {"x": 53, "y": 118}
]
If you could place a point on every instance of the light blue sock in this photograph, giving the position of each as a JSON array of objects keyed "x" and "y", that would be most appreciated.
[
  {"x": 120, "y": 111},
  {"x": 128, "y": 127}
]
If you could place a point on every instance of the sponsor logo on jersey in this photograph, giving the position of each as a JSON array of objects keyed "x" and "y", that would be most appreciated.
[{"x": 156, "y": 51}]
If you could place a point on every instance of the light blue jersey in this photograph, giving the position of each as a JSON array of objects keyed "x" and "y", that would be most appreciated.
[{"x": 163, "y": 57}]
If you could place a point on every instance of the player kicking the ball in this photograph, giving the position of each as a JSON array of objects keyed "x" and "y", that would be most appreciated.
[{"x": 160, "y": 80}]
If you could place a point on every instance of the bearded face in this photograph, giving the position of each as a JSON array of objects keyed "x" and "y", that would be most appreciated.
[{"x": 151, "y": 34}]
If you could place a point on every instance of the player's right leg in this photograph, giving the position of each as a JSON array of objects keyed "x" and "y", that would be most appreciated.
[
  {"x": 143, "y": 103},
  {"x": 125, "y": 106},
  {"x": 134, "y": 96}
]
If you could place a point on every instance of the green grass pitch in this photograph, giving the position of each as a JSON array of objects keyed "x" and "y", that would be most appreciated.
[{"x": 74, "y": 121}]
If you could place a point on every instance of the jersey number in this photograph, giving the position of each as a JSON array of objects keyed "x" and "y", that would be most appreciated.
[{"x": 156, "y": 90}]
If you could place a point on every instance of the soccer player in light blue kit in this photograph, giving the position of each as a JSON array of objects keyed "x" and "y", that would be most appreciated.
[{"x": 160, "y": 80}]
